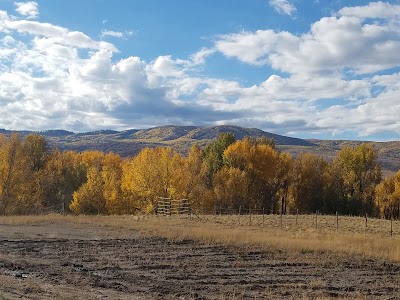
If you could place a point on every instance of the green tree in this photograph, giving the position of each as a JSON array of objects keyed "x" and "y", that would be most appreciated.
[{"x": 213, "y": 154}]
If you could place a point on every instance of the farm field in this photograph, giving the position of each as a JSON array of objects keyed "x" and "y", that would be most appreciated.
[{"x": 222, "y": 257}]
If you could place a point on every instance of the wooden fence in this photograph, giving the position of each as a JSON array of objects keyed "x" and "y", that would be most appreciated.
[{"x": 168, "y": 207}]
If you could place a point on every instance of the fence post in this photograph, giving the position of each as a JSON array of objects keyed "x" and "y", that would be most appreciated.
[
  {"x": 366, "y": 222},
  {"x": 391, "y": 224},
  {"x": 297, "y": 216},
  {"x": 250, "y": 215},
  {"x": 337, "y": 221},
  {"x": 263, "y": 217},
  {"x": 63, "y": 206}
]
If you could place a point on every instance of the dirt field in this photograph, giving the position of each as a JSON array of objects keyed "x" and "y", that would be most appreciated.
[{"x": 63, "y": 260}]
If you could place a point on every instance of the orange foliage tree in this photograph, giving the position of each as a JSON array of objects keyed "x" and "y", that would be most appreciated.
[{"x": 148, "y": 176}]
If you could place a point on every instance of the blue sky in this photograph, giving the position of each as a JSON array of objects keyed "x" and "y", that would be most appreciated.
[{"x": 310, "y": 69}]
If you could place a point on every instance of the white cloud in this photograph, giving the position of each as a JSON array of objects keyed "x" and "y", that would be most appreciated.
[
  {"x": 28, "y": 9},
  {"x": 312, "y": 89},
  {"x": 4, "y": 20},
  {"x": 57, "y": 34},
  {"x": 53, "y": 77},
  {"x": 199, "y": 57},
  {"x": 283, "y": 7},
  {"x": 377, "y": 116},
  {"x": 256, "y": 47},
  {"x": 332, "y": 45},
  {"x": 116, "y": 34},
  {"x": 381, "y": 10},
  {"x": 161, "y": 68}
]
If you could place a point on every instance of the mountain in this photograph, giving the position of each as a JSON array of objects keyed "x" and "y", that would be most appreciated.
[
  {"x": 179, "y": 133},
  {"x": 130, "y": 142}
]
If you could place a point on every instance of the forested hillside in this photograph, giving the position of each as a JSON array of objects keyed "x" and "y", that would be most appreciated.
[{"x": 181, "y": 138}]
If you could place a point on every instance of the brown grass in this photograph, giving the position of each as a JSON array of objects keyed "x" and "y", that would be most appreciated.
[
  {"x": 370, "y": 244},
  {"x": 353, "y": 238}
]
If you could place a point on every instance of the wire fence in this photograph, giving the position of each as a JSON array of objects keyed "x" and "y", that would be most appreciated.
[
  {"x": 303, "y": 221},
  {"x": 273, "y": 219},
  {"x": 54, "y": 209}
]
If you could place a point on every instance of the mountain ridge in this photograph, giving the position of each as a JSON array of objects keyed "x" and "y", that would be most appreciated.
[{"x": 165, "y": 134}]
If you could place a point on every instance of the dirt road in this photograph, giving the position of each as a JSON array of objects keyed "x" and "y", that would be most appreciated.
[{"x": 80, "y": 261}]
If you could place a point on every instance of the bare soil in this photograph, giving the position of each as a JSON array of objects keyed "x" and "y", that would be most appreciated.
[{"x": 61, "y": 260}]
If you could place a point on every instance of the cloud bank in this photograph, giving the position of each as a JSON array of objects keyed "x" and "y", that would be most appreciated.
[{"x": 341, "y": 76}]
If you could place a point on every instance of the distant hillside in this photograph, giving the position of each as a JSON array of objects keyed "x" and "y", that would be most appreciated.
[
  {"x": 175, "y": 133},
  {"x": 129, "y": 142},
  {"x": 181, "y": 138},
  {"x": 388, "y": 152}
]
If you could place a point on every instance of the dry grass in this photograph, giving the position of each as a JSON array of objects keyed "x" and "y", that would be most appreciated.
[
  {"x": 374, "y": 244},
  {"x": 353, "y": 237}
]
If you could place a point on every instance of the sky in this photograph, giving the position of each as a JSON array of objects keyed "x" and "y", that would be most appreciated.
[{"x": 308, "y": 69}]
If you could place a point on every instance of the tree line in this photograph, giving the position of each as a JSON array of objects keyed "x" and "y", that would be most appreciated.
[{"x": 228, "y": 173}]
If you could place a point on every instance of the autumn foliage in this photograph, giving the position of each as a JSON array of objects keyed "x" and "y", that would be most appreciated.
[{"x": 249, "y": 173}]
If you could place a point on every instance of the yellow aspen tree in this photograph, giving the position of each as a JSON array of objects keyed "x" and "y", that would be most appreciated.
[
  {"x": 89, "y": 198},
  {"x": 230, "y": 186},
  {"x": 387, "y": 196},
  {"x": 308, "y": 181},
  {"x": 395, "y": 209},
  {"x": 36, "y": 148},
  {"x": 360, "y": 173},
  {"x": 385, "y": 199},
  {"x": 62, "y": 175},
  {"x": 148, "y": 176},
  {"x": 93, "y": 159},
  {"x": 112, "y": 178},
  {"x": 189, "y": 180},
  {"x": 16, "y": 177},
  {"x": 281, "y": 182},
  {"x": 261, "y": 164}
]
